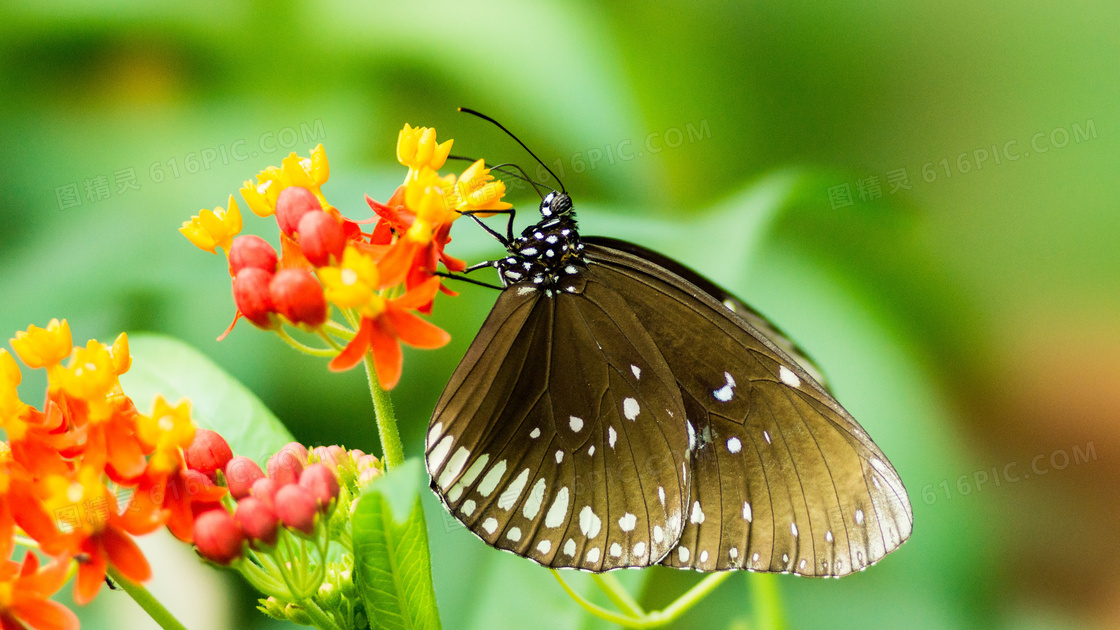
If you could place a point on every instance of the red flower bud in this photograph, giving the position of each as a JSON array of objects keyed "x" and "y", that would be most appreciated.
[
  {"x": 285, "y": 467},
  {"x": 296, "y": 507},
  {"x": 265, "y": 490},
  {"x": 198, "y": 508},
  {"x": 368, "y": 475},
  {"x": 292, "y": 203},
  {"x": 321, "y": 237},
  {"x": 218, "y": 537},
  {"x": 298, "y": 296},
  {"x": 241, "y": 472},
  {"x": 252, "y": 297},
  {"x": 253, "y": 251},
  {"x": 208, "y": 452},
  {"x": 258, "y": 520},
  {"x": 322, "y": 483}
]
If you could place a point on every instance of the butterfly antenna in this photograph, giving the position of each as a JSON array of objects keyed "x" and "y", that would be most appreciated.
[
  {"x": 501, "y": 169},
  {"x": 510, "y": 134}
]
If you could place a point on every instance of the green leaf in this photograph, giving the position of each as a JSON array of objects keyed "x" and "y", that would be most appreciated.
[
  {"x": 393, "y": 566},
  {"x": 168, "y": 367}
]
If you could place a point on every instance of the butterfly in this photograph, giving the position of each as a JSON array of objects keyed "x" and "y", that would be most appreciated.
[{"x": 618, "y": 410}]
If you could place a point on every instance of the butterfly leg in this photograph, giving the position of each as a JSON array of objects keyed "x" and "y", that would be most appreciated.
[
  {"x": 510, "y": 214},
  {"x": 452, "y": 276}
]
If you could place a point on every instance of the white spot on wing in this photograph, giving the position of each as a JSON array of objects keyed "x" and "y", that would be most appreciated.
[
  {"x": 570, "y": 547},
  {"x": 691, "y": 436},
  {"x": 558, "y": 511},
  {"x": 589, "y": 524},
  {"x": 878, "y": 464},
  {"x": 734, "y": 445},
  {"x": 591, "y": 450},
  {"x": 612, "y": 436},
  {"x": 726, "y": 392},
  {"x": 434, "y": 433},
  {"x": 859, "y": 517},
  {"x": 766, "y": 434},
  {"x": 788, "y": 377},
  {"x": 747, "y": 512},
  {"x": 636, "y": 370},
  {"x": 468, "y": 507},
  {"x": 490, "y": 525},
  {"x": 697, "y": 513},
  {"x": 703, "y": 556},
  {"x": 490, "y": 481},
  {"x": 639, "y": 549},
  {"x": 733, "y": 552},
  {"x": 544, "y": 547},
  {"x": 630, "y": 408},
  {"x": 682, "y": 553},
  {"x": 439, "y": 453},
  {"x": 661, "y": 494},
  {"x": 536, "y": 433},
  {"x": 616, "y": 550},
  {"x": 658, "y": 534},
  {"x": 514, "y": 534},
  {"x": 575, "y": 423},
  {"x": 627, "y": 522},
  {"x": 593, "y": 554},
  {"x": 559, "y": 456},
  {"x": 525, "y": 289},
  {"x": 793, "y": 529},
  {"x": 536, "y": 498},
  {"x": 513, "y": 492},
  {"x": 454, "y": 467},
  {"x": 828, "y": 536}
]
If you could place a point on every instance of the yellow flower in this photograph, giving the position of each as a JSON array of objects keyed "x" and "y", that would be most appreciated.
[
  {"x": 309, "y": 172},
  {"x": 10, "y": 377},
  {"x": 167, "y": 429},
  {"x": 40, "y": 347},
  {"x": 478, "y": 190},
  {"x": 417, "y": 148},
  {"x": 214, "y": 228},
  {"x": 353, "y": 283},
  {"x": 432, "y": 199},
  {"x": 122, "y": 359},
  {"x": 91, "y": 376}
]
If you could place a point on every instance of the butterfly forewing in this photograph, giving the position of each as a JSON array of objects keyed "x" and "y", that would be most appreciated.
[
  {"x": 783, "y": 478},
  {"x": 559, "y": 438}
]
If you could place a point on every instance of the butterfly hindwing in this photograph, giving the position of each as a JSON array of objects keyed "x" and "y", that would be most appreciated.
[
  {"x": 559, "y": 437},
  {"x": 783, "y": 478}
]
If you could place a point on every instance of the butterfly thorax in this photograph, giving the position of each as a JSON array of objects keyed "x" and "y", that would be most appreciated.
[{"x": 547, "y": 251}]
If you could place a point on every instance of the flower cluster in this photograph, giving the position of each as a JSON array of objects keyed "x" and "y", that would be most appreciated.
[
  {"x": 84, "y": 474},
  {"x": 378, "y": 280},
  {"x": 277, "y": 526}
]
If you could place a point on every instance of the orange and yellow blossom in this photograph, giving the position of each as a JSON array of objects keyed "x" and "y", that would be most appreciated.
[
  {"x": 354, "y": 284},
  {"x": 44, "y": 347},
  {"x": 478, "y": 190},
  {"x": 214, "y": 228},
  {"x": 94, "y": 531},
  {"x": 309, "y": 172},
  {"x": 25, "y": 592}
]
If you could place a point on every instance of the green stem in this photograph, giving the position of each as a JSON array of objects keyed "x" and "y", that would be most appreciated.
[
  {"x": 618, "y": 594},
  {"x": 640, "y": 620},
  {"x": 304, "y": 348},
  {"x": 766, "y": 602},
  {"x": 147, "y": 601},
  {"x": 322, "y": 619},
  {"x": 386, "y": 419}
]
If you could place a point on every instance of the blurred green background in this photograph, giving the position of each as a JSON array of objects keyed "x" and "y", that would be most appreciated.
[{"x": 923, "y": 194}]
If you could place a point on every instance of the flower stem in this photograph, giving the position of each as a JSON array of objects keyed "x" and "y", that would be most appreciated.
[
  {"x": 634, "y": 617},
  {"x": 766, "y": 602},
  {"x": 147, "y": 601},
  {"x": 322, "y": 619},
  {"x": 618, "y": 594},
  {"x": 386, "y": 419}
]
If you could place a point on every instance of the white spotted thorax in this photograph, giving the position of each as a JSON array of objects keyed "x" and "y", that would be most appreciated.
[{"x": 546, "y": 252}]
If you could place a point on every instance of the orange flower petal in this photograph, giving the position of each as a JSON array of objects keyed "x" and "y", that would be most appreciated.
[
  {"x": 125, "y": 555},
  {"x": 416, "y": 332},
  {"x": 397, "y": 261},
  {"x": 46, "y": 615},
  {"x": 352, "y": 354},
  {"x": 91, "y": 574},
  {"x": 387, "y": 357},
  {"x": 418, "y": 296}
]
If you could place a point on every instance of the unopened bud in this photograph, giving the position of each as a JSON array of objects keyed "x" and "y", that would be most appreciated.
[
  {"x": 322, "y": 484},
  {"x": 321, "y": 237},
  {"x": 218, "y": 537},
  {"x": 252, "y": 297},
  {"x": 258, "y": 520},
  {"x": 241, "y": 473},
  {"x": 296, "y": 507},
  {"x": 297, "y": 295},
  {"x": 250, "y": 250},
  {"x": 208, "y": 452},
  {"x": 292, "y": 203}
]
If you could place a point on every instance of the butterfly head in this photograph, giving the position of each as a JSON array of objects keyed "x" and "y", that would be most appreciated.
[{"x": 555, "y": 205}]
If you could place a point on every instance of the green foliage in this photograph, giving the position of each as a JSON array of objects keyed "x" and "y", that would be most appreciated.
[{"x": 392, "y": 561}]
